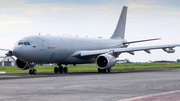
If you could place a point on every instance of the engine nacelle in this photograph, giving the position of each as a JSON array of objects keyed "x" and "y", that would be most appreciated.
[
  {"x": 22, "y": 65},
  {"x": 168, "y": 50},
  {"x": 105, "y": 61}
]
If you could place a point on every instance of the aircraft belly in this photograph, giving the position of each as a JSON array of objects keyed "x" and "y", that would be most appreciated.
[
  {"x": 52, "y": 56},
  {"x": 75, "y": 60}
]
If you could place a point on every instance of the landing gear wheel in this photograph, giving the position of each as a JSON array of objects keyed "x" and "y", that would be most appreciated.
[
  {"x": 56, "y": 70},
  {"x": 104, "y": 70},
  {"x": 65, "y": 69},
  {"x": 99, "y": 70},
  {"x": 30, "y": 72},
  {"x": 34, "y": 72},
  {"x": 60, "y": 69}
]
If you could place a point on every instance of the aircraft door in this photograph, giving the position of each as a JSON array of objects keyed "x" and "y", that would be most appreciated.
[
  {"x": 41, "y": 44},
  {"x": 62, "y": 45}
]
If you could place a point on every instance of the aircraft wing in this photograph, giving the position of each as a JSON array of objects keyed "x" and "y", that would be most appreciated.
[
  {"x": 5, "y": 50},
  {"x": 9, "y": 53},
  {"x": 166, "y": 48}
]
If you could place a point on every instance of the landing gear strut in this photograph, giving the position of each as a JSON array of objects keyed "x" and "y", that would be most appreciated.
[
  {"x": 60, "y": 69},
  {"x": 32, "y": 71}
]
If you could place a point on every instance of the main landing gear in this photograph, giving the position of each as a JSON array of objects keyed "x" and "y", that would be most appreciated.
[
  {"x": 107, "y": 70},
  {"x": 32, "y": 71},
  {"x": 60, "y": 69}
]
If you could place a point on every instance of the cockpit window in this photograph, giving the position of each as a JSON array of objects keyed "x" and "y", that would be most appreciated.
[
  {"x": 24, "y": 43},
  {"x": 28, "y": 43},
  {"x": 20, "y": 43}
]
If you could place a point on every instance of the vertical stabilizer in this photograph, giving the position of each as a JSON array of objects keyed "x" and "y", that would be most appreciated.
[{"x": 120, "y": 29}]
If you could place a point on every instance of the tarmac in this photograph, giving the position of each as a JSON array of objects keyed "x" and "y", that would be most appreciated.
[{"x": 128, "y": 85}]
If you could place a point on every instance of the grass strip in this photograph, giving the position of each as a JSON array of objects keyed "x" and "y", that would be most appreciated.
[{"x": 50, "y": 69}]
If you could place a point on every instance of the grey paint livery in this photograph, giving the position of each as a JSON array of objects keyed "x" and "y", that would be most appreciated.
[{"x": 58, "y": 49}]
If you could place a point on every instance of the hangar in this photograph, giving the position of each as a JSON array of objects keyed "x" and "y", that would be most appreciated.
[{"x": 7, "y": 61}]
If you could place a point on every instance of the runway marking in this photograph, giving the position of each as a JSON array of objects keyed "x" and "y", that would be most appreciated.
[
  {"x": 2, "y": 72},
  {"x": 38, "y": 75},
  {"x": 10, "y": 76},
  {"x": 155, "y": 97}
]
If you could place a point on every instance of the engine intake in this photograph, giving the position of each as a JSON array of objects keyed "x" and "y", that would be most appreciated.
[
  {"x": 105, "y": 61},
  {"x": 22, "y": 65}
]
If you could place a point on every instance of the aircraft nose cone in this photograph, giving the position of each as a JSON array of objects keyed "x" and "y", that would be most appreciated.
[{"x": 17, "y": 52}]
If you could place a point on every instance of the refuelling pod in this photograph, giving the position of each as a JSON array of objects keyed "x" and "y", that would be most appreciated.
[{"x": 169, "y": 50}]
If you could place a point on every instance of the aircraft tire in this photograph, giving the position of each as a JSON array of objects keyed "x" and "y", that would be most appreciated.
[
  {"x": 34, "y": 72},
  {"x": 56, "y": 70},
  {"x": 99, "y": 70},
  {"x": 109, "y": 70},
  {"x": 60, "y": 69},
  {"x": 65, "y": 69},
  {"x": 104, "y": 71},
  {"x": 30, "y": 72}
]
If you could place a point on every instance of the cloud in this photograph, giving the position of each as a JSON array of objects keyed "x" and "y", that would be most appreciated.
[
  {"x": 60, "y": 9},
  {"x": 6, "y": 20},
  {"x": 143, "y": 5},
  {"x": 158, "y": 8},
  {"x": 27, "y": 9},
  {"x": 175, "y": 13},
  {"x": 7, "y": 2},
  {"x": 32, "y": 9},
  {"x": 10, "y": 6}
]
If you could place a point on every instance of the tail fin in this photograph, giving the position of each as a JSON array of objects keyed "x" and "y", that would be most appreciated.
[{"x": 120, "y": 29}]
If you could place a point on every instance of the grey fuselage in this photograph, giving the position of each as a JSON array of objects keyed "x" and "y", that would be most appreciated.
[{"x": 58, "y": 49}]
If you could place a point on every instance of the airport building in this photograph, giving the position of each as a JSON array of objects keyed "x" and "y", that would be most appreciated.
[{"x": 7, "y": 61}]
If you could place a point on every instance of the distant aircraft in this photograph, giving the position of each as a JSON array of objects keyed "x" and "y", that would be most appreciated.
[{"x": 75, "y": 50}]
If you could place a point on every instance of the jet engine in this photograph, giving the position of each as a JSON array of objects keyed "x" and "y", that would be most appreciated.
[
  {"x": 22, "y": 65},
  {"x": 105, "y": 61}
]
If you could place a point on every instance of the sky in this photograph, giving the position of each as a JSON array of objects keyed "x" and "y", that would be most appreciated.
[{"x": 93, "y": 18}]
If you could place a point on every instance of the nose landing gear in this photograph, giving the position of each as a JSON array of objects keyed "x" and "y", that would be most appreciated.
[
  {"x": 60, "y": 69},
  {"x": 32, "y": 71}
]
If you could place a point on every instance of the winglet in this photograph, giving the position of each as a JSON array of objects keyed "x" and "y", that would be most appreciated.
[{"x": 120, "y": 29}]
